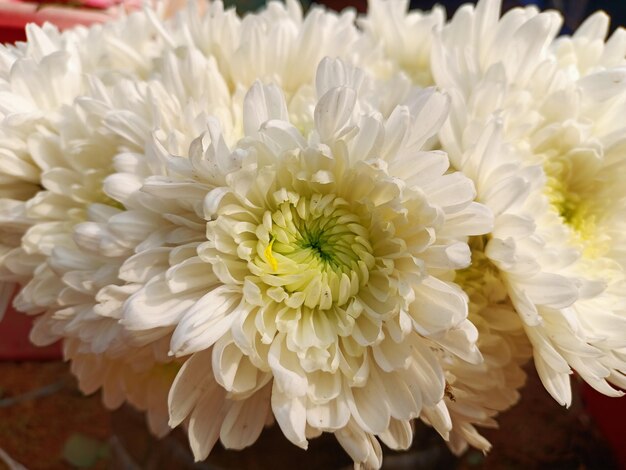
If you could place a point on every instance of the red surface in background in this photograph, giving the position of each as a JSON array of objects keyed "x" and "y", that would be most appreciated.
[
  {"x": 610, "y": 415},
  {"x": 14, "y": 342},
  {"x": 10, "y": 34},
  {"x": 338, "y": 5}
]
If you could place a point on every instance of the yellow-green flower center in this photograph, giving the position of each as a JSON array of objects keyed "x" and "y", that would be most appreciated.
[
  {"x": 571, "y": 207},
  {"x": 574, "y": 205},
  {"x": 315, "y": 248}
]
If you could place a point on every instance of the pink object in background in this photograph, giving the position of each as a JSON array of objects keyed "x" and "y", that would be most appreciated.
[
  {"x": 15, "y": 14},
  {"x": 106, "y": 4}
]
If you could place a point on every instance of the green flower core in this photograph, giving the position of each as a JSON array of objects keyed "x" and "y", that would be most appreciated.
[{"x": 316, "y": 245}]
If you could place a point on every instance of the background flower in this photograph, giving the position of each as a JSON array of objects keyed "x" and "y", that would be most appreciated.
[{"x": 542, "y": 238}]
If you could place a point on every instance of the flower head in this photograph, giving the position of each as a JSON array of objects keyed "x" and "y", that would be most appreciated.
[
  {"x": 322, "y": 269},
  {"x": 56, "y": 152},
  {"x": 531, "y": 123}
]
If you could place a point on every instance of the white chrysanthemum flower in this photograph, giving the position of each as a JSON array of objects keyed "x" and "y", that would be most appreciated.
[
  {"x": 34, "y": 82},
  {"x": 56, "y": 151},
  {"x": 48, "y": 148},
  {"x": 70, "y": 266},
  {"x": 553, "y": 183},
  {"x": 321, "y": 272},
  {"x": 475, "y": 392}
]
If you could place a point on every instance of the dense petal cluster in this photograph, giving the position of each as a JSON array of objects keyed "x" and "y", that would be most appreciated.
[
  {"x": 283, "y": 244},
  {"x": 314, "y": 264},
  {"x": 234, "y": 222},
  {"x": 55, "y": 155},
  {"x": 553, "y": 246},
  {"x": 533, "y": 122}
]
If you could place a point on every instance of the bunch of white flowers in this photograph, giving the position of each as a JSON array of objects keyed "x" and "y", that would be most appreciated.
[{"x": 336, "y": 223}]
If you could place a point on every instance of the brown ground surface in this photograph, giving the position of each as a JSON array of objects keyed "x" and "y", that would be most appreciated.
[
  {"x": 34, "y": 430},
  {"x": 59, "y": 426}
]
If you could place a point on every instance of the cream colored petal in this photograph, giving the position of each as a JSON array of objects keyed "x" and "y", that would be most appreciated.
[
  {"x": 290, "y": 413},
  {"x": 245, "y": 420}
]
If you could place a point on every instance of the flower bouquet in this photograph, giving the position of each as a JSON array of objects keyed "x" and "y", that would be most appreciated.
[{"x": 326, "y": 222}]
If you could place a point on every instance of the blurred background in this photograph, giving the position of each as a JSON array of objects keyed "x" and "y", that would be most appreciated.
[
  {"x": 574, "y": 11},
  {"x": 46, "y": 423}
]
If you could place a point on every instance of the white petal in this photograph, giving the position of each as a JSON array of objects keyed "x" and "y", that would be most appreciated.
[
  {"x": 438, "y": 306},
  {"x": 155, "y": 306},
  {"x": 245, "y": 420},
  {"x": 368, "y": 410},
  {"x": 604, "y": 85},
  {"x": 362, "y": 447},
  {"x": 206, "y": 321},
  {"x": 556, "y": 383},
  {"x": 439, "y": 417},
  {"x": 290, "y": 413},
  {"x": 331, "y": 415},
  {"x": 261, "y": 104},
  {"x": 145, "y": 265},
  {"x": 188, "y": 386},
  {"x": 429, "y": 109},
  {"x": 332, "y": 73},
  {"x": 398, "y": 435},
  {"x": 206, "y": 420},
  {"x": 234, "y": 371},
  {"x": 333, "y": 112},
  {"x": 288, "y": 374},
  {"x": 595, "y": 26},
  {"x": 404, "y": 399},
  {"x": 550, "y": 290}
]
